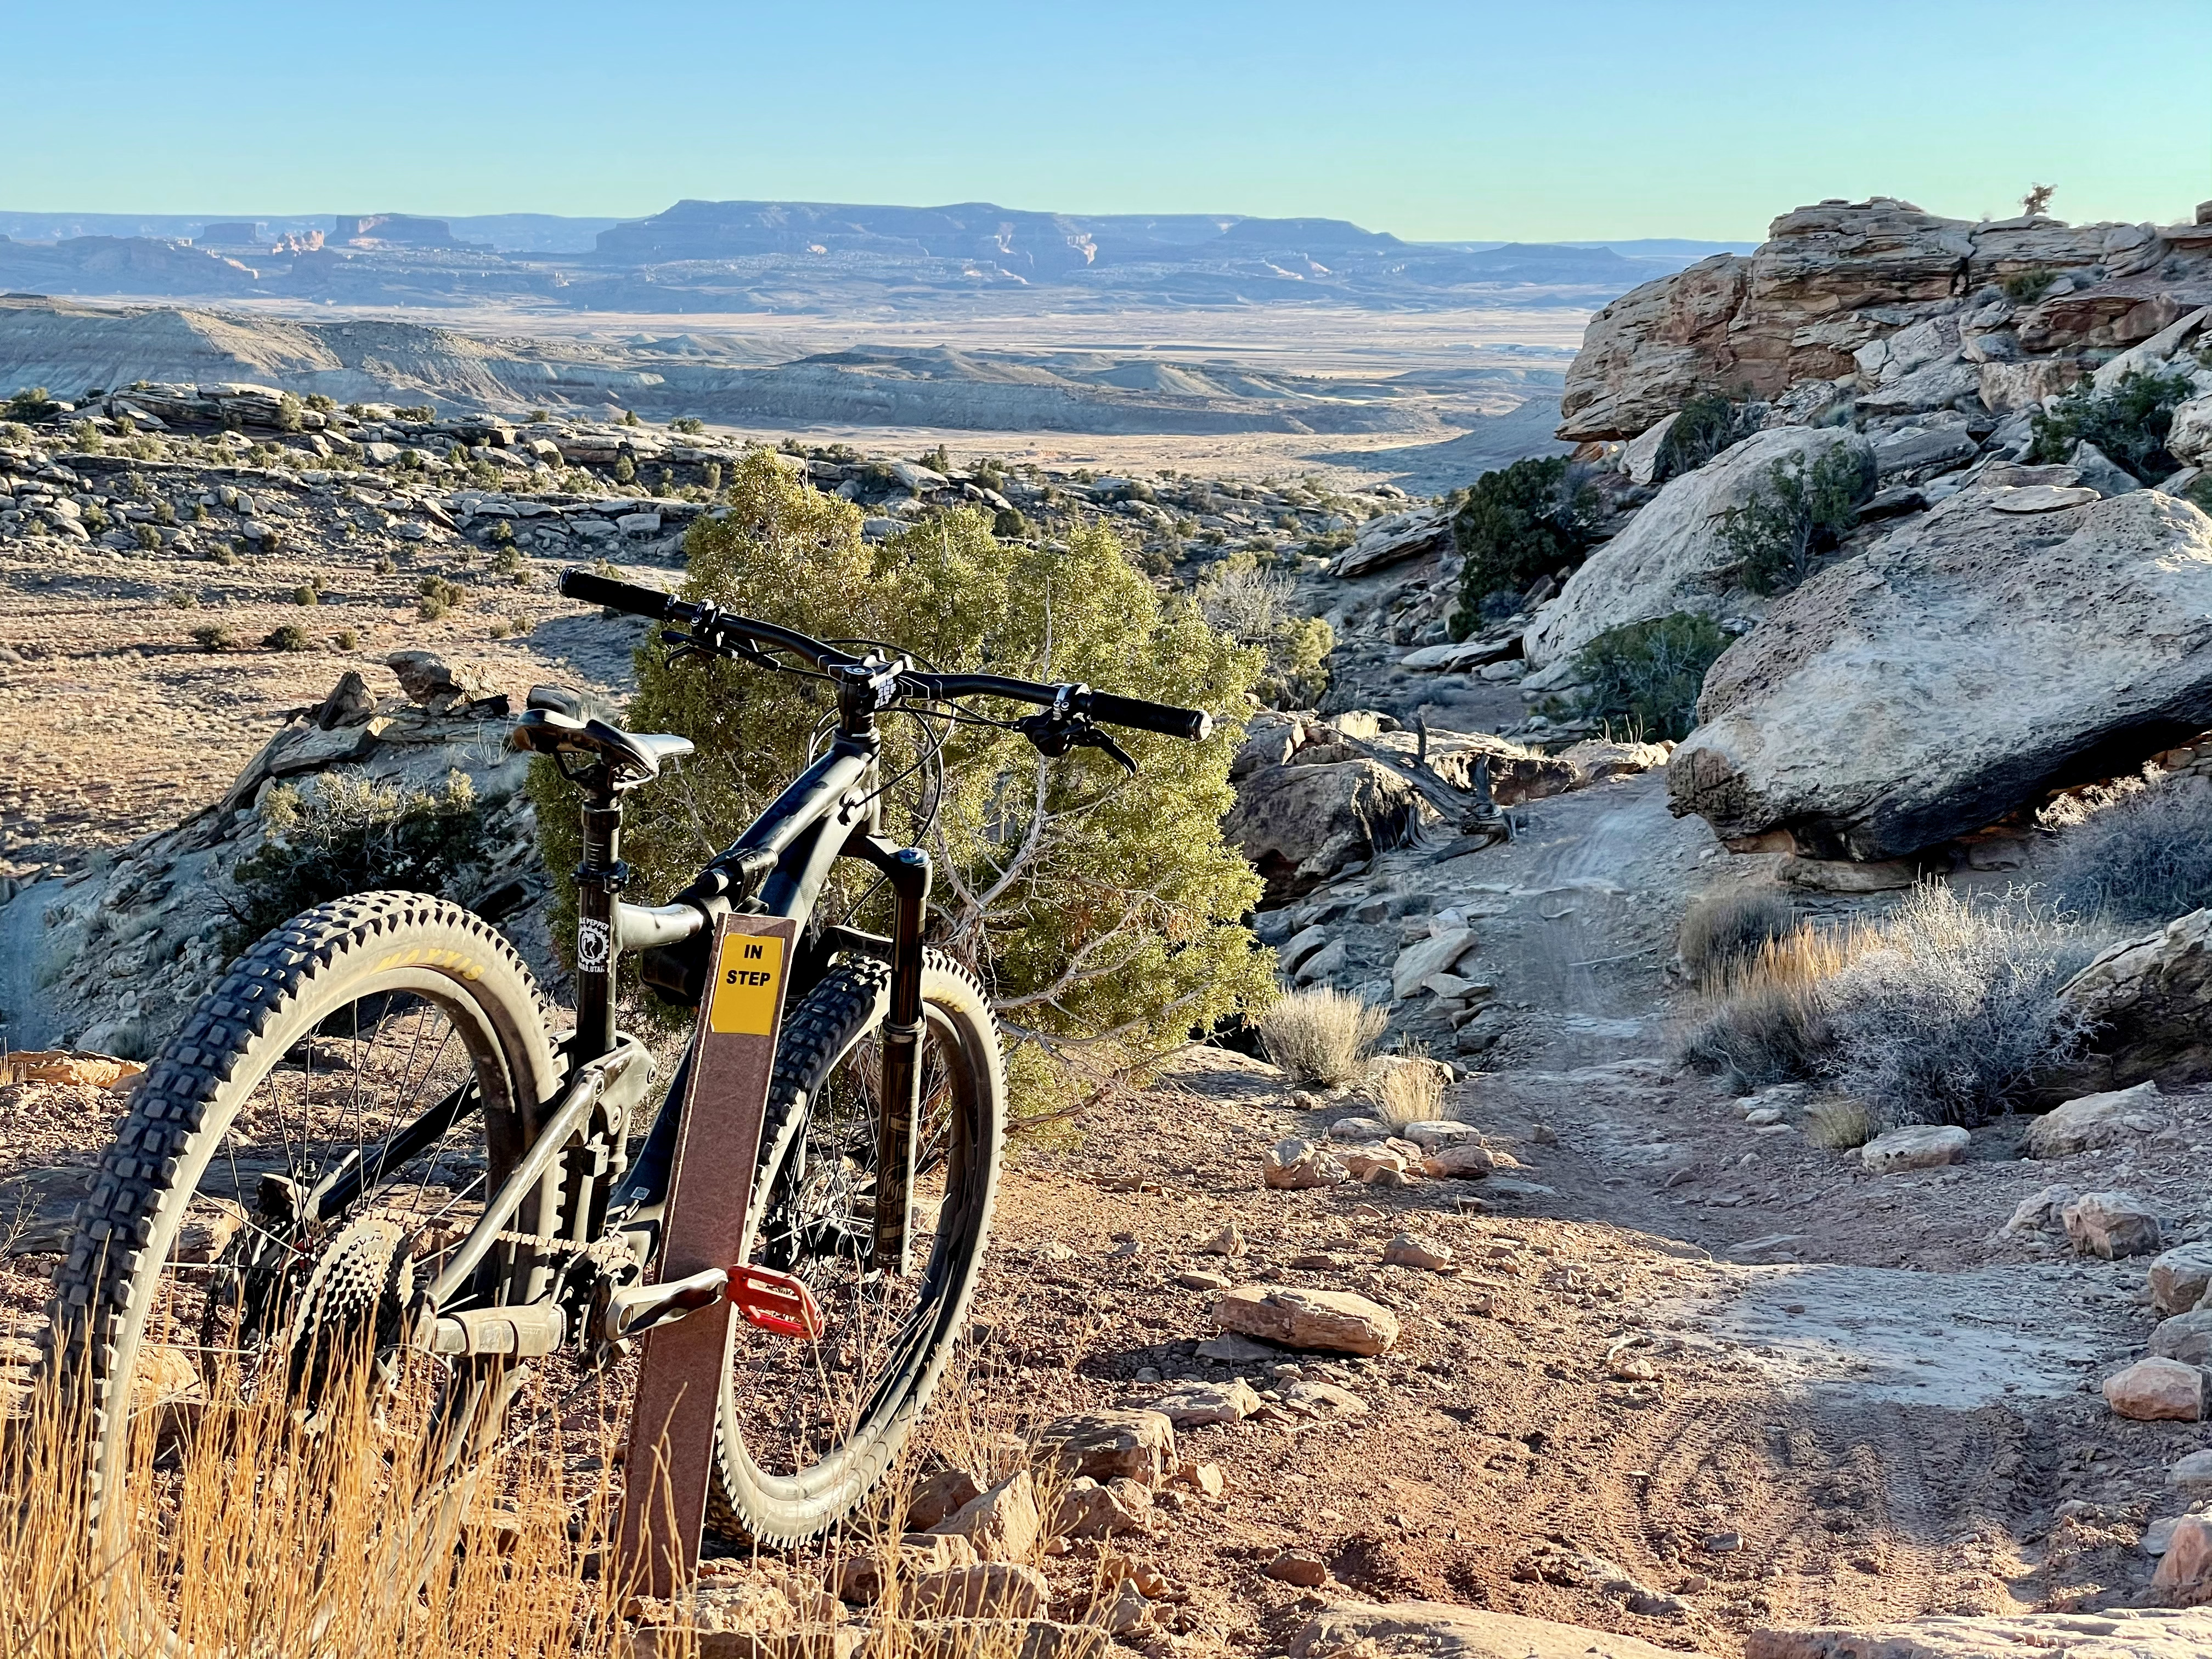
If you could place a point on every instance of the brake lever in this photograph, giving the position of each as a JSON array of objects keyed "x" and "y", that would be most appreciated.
[{"x": 1053, "y": 736}]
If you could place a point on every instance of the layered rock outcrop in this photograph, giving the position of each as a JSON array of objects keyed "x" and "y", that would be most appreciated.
[{"x": 1881, "y": 301}]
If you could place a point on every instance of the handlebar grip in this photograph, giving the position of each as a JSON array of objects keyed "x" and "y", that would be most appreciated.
[
  {"x": 1192, "y": 725},
  {"x": 616, "y": 596}
]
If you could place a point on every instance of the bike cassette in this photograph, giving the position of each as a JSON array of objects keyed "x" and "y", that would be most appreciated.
[
  {"x": 350, "y": 1306},
  {"x": 776, "y": 1302}
]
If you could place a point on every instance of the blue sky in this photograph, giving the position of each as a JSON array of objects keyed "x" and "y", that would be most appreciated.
[{"x": 1682, "y": 118}]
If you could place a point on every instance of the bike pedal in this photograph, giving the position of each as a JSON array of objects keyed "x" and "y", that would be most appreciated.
[{"x": 776, "y": 1302}]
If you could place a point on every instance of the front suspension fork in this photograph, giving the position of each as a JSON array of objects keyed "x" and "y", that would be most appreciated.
[{"x": 899, "y": 1101}]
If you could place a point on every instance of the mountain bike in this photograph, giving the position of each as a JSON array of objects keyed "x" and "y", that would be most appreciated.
[{"x": 368, "y": 1139}]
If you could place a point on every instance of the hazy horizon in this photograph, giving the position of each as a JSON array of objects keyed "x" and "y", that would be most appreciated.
[{"x": 1435, "y": 122}]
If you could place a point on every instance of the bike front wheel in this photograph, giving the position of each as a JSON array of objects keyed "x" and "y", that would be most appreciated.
[{"x": 806, "y": 1430}]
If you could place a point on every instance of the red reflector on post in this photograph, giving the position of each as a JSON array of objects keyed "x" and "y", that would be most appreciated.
[{"x": 776, "y": 1302}]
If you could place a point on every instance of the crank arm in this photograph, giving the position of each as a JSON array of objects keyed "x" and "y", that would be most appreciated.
[{"x": 640, "y": 1308}]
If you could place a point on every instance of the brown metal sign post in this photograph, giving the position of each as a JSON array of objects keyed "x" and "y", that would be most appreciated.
[{"x": 671, "y": 1431}]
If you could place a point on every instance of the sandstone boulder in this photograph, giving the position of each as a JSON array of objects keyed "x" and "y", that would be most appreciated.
[
  {"x": 1332, "y": 1321},
  {"x": 2092, "y": 1121},
  {"x": 1001, "y": 1524},
  {"x": 1944, "y": 678},
  {"x": 1293, "y": 1165},
  {"x": 428, "y": 679},
  {"x": 2185, "y": 1571},
  {"x": 1672, "y": 556},
  {"x": 2186, "y": 1337},
  {"x": 1299, "y": 823},
  {"x": 987, "y": 1589},
  {"x": 2148, "y": 1004}
]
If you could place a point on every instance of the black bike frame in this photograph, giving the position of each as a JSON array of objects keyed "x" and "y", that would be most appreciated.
[{"x": 778, "y": 868}]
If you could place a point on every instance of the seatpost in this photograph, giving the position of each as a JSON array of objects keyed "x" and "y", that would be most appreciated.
[{"x": 599, "y": 879}]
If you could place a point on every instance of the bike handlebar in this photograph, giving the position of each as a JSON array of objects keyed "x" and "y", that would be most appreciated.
[{"x": 716, "y": 627}]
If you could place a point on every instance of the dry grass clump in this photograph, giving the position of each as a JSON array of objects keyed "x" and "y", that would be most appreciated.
[
  {"x": 1722, "y": 931},
  {"x": 284, "y": 1535},
  {"x": 1408, "y": 1089},
  {"x": 1944, "y": 1011},
  {"x": 1321, "y": 1035},
  {"x": 1840, "y": 1122}
]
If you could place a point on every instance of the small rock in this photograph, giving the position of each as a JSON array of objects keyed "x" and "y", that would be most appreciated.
[
  {"x": 1300, "y": 1567},
  {"x": 429, "y": 680},
  {"x": 1293, "y": 1165},
  {"x": 1324, "y": 1399},
  {"x": 1409, "y": 1250},
  {"x": 1205, "y": 1477},
  {"x": 1089, "y": 1509},
  {"x": 1631, "y": 1367},
  {"x": 1003, "y": 1524},
  {"x": 2094, "y": 1120},
  {"x": 1209, "y": 1402},
  {"x": 2186, "y": 1337},
  {"x": 939, "y": 1496},
  {"x": 1336, "y": 1320},
  {"x": 2180, "y": 1278},
  {"x": 861, "y": 1577},
  {"x": 1229, "y": 1240},
  {"x": 1721, "y": 1543},
  {"x": 1359, "y": 1131},
  {"x": 2041, "y": 1210},
  {"x": 2192, "y": 1475},
  {"x": 987, "y": 1589},
  {"x": 2111, "y": 1225},
  {"x": 2158, "y": 1536},
  {"x": 2157, "y": 1390},
  {"x": 2185, "y": 1571},
  {"x": 1433, "y": 1134},
  {"x": 1914, "y": 1146},
  {"x": 1128, "y": 1612},
  {"x": 1196, "y": 1279},
  {"x": 1367, "y": 1162},
  {"x": 1465, "y": 1160},
  {"x": 1107, "y": 1444}
]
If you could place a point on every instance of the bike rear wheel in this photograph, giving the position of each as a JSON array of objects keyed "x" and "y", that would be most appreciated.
[
  {"x": 203, "y": 1277},
  {"x": 806, "y": 1430}
]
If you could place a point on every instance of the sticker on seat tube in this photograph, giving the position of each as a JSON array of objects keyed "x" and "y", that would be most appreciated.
[{"x": 745, "y": 985}]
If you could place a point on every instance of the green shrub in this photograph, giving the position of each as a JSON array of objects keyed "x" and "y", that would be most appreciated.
[
  {"x": 502, "y": 534},
  {"x": 539, "y": 416},
  {"x": 1795, "y": 514},
  {"x": 1703, "y": 427},
  {"x": 2128, "y": 423},
  {"x": 710, "y": 477},
  {"x": 307, "y": 593},
  {"x": 1645, "y": 677},
  {"x": 1253, "y": 607},
  {"x": 1103, "y": 916},
  {"x": 354, "y": 836},
  {"x": 289, "y": 636},
  {"x": 31, "y": 403},
  {"x": 347, "y": 639},
  {"x": 630, "y": 418},
  {"x": 1515, "y": 525},
  {"x": 625, "y": 469},
  {"x": 215, "y": 636},
  {"x": 2026, "y": 287},
  {"x": 288, "y": 412},
  {"x": 688, "y": 423},
  {"x": 321, "y": 403},
  {"x": 417, "y": 412}
]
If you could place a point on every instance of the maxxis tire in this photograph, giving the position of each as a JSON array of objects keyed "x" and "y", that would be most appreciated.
[
  {"x": 273, "y": 996},
  {"x": 769, "y": 1511}
]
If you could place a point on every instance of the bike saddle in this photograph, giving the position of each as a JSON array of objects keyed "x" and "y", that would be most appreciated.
[{"x": 559, "y": 721}]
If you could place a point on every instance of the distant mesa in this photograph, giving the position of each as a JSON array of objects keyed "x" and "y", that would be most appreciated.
[
  {"x": 235, "y": 233},
  {"x": 395, "y": 230}
]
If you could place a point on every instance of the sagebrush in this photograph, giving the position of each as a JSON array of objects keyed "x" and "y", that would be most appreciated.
[
  {"x": 354, "y": 836},
  {"x": 1946, "y": 1010},
  {"x": 1721, "y": 933},
  {"x": 2138, "y": 853}
]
